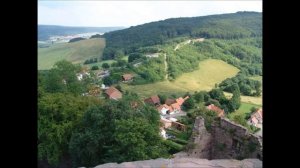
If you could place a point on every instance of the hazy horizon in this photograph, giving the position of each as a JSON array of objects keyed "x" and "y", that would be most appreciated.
[{"x": 132, "y": 13}]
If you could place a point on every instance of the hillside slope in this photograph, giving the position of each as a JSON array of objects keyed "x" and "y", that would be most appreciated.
[
  {"x": 228, "y": 26},
  {"x": 76, "y": 52}
]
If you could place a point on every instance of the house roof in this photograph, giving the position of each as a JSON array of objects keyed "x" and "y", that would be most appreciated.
[
  {"x": 216, "y": 109},
  {"x": 127, "y": 76},
  {"x": 113, "y": 93},
  {"x": 175, "y": 106},
  {"x": 152, "y": 100},
  {"x": 170, "y": 101},
  {"x": 254, "y": 120},
  {"x": 257, "y": 116},
  {"x": 159, "y": 108},
  {"x": 180, "y": 101}
]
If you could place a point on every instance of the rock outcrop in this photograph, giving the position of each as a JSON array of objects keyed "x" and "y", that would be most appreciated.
[{"x": 187, "y": 163}]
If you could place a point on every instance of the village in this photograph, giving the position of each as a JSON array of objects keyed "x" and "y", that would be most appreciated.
[{"x": 170, "y": 110}]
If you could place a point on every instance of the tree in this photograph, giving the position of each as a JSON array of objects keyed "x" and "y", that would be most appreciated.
[
  {"x": 162, "y": 98},
  {"x": 107, "y": 81},
  {"x": 189, "y": 103},
  {"x": 245, "y": 89},
  {"x": 200, "y": 96},
  {"x": 134, "y": 56},
  {"x": 119, "y": 88},
  {"x": 95, "y": 67},
  {"x": 253, "y": 109},
  {"x": 62, "y": 78},
  {"x": 235, "y": 101},
  {"x": 257, "y": 89},
  {"x": 58, "y": 115},
  {"x": 116, "y": 132},
  {"x": 105, "y": 66},
  {"x": 216, "y": 94}
]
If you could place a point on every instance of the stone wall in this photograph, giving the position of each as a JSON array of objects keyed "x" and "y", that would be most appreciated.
[
  {"x": 186, "y": 163},
  {"x": 227, "y": 140},
  {"x": 231, "y": 140},
  {"x": 201, "y": 140}
]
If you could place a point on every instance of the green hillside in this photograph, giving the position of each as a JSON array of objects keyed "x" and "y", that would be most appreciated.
[
  {"x": 210, "y": 72},
  {"x": 76, "y": 52},
  {"x": 225, "y": 26}
]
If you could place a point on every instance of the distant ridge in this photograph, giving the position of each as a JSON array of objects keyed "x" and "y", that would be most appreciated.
[{"x": 46, "y": 31}]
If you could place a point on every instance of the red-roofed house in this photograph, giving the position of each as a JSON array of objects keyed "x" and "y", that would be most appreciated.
[
  {"x": 181, "y": 100},
  {"x": 127, "y": 77},
  {"x": 113, "y": 93},
  {"x": 153, "y": 100},
  {"x": 216, "y": 109},
  {"x": 171, "y": 106},
  {"x": 256, "y": 118},
  {"x": 170, "y": 101},
  {"x": 163, "y": 109}
]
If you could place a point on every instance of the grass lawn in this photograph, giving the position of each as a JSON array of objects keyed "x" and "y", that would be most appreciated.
[
  {"x": 76, "y": 52},
  {"x": 247, "y": 99},
  {"x": 210, "y": 72},
  {"x": 244, "y": 108}
]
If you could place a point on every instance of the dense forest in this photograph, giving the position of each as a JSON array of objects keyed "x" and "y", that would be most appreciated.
[{"x": 225, "y": 26}]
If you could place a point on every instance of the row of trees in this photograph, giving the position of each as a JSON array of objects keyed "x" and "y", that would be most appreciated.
[
  {"x": 90, "y": 61},
  {"x": 248, "y": 87}
]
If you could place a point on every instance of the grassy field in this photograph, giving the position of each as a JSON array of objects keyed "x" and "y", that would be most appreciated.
[
  {"x": 76, "y": 52},
  {"x": 247, "y": 99},
  {"x": 210, "y": 72},
  {"x": 258, "y": 78},
  {"x": 245, "y": 108},
  {"x": 99, "y": 64}
]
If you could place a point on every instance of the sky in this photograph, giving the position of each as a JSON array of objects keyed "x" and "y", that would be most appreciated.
[{"x": 132, "y": 13}]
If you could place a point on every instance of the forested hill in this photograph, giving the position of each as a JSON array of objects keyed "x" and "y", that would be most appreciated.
[{"x": 225, "y": 26}]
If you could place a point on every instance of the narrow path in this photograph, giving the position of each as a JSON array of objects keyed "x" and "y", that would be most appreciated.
[
  {"x": 182, "y": 44},
  {"x": 166, "y": 66}
]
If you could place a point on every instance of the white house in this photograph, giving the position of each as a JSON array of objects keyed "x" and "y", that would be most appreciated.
[{"x": 163, "y": 133}]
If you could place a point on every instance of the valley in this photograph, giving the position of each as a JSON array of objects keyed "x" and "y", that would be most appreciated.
[{"x": 175, "y": 88}]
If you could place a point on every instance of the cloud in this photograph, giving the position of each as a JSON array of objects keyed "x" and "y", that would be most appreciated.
[{"x": 129, "y": 13}]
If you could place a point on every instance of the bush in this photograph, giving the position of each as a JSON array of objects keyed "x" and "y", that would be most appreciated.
[
  {"x": 105, "y": 66},
  {"x": 95, "y": 67}
]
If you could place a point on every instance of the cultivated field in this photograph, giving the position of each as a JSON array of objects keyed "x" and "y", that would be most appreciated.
[
  {"x": 76, "y": 52},
  {"x": 210, "y": 72}
]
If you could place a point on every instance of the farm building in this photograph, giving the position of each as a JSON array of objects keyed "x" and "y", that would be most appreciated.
[
  {"x": 256, "y": 118},
  {"x": 113, "y": 93},
  {"x": 153, "y": 100},
  {"x": 127, "y": 77},
  {"x": 216, "y": 109}
]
